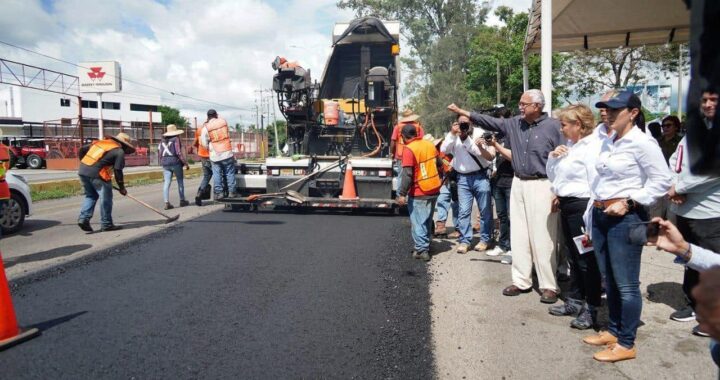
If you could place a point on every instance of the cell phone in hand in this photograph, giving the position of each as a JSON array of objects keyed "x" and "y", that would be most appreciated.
[{"x": 640, "y": 232}]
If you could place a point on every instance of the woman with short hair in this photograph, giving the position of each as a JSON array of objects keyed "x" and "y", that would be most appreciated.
[
  {"x": 571, "y": 170},
  {"x": 631, "y": 173}
]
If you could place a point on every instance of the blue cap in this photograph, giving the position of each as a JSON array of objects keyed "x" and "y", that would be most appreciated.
[{"x": 624, "y": 99}]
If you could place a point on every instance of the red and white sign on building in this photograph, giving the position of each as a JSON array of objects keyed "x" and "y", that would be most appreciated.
[{"x": 100, "y": 77}]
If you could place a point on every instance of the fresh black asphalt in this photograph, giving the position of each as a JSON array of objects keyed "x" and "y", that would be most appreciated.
[{"x": 234, "y": 295}]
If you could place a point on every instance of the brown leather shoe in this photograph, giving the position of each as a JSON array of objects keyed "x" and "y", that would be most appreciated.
[
  {"x": 548, "y": 296},
  {"x": 512, "y": 291},
  {"x": 615, "y": 353},
  {"x": 600, "y": 339},
  {"x": 453, "y": 235},
  {"x": 440, "y": 229}
]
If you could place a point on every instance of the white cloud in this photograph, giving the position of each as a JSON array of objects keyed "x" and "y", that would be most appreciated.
[
  {"x": 219, "y": 50},
  {"x": 517, "y": 6}
]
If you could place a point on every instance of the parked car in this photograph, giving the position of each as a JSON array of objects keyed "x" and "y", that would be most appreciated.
[{"x": 14, "y": 211}]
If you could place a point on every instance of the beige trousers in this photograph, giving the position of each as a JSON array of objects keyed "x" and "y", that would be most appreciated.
[{"x": 533, "y": 230}]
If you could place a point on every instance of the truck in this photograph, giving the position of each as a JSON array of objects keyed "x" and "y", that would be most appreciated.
[
  {"x": 26, "y": 152},
  {"x": 338, "y": 128}
]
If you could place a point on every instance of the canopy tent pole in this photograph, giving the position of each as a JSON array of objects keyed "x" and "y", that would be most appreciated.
[
  {"x": 526, "y": 81},
  {"x": 546, "y": 53}
]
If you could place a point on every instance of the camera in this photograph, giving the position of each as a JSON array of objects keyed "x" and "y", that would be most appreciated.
[
  {"x": 464, "y": 127},
  {"x": 488, "y": 136}
]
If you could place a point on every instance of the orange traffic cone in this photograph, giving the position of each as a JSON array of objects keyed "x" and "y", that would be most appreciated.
[
  {"x": 10, "y": 332},
  {"x": 349, "y": 184}
]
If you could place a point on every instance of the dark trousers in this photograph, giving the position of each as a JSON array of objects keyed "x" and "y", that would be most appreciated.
[
  {"x": 502, "y": 208},
  {"x": 701, "y": 232},
  {"x": 619, "y": 262},
  {"x": 584, "y": 271}
]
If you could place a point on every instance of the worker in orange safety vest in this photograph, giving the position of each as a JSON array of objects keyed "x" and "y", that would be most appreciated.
[
  {"x": 99, "y": 161},
  {"x": 215, "y": 136},
  {"x": 204, "y": 188},
  {"x": 419, "y": 187}
]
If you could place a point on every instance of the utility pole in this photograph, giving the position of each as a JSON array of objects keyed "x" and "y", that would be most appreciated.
[{"x": 680, "y": 79}]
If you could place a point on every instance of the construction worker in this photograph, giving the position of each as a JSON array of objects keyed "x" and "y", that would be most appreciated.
[
  {"x": 204, "y": 154},
  {"x": 396, "y": 140},
  {"x": 4, "y": 167},
  {"x": 172, "y": 157},
  {"x": 98, "y": 162},
  {"x": 420, "y": 186},
  {"x": 215, "y": 136}
]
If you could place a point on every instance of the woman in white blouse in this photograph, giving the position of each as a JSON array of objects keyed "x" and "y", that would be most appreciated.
[
  {"x": 631, "y": 173},
  {"x": 571, "y": 169}
]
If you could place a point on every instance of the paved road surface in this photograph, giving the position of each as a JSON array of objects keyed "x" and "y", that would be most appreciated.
[{"x": 222, "y": 297}]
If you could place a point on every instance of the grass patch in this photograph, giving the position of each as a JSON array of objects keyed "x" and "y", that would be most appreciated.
[{"x": 71, "y": 188}]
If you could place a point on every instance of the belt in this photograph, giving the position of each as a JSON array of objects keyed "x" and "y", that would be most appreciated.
[
  {"x": 476, "y": 172},
  {"x": 531, "y": 177},
  {"x": 607, "y": 203}
]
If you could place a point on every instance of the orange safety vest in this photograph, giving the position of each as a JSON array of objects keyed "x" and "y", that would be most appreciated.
[
  {"x": 219, "y": 135},
  {"x": 201, "y": 150},
  {"x": 426, "y": 176},
  {"x": 400, "y": 144},
  {"x": 98, "y": 149},
  {"x": 4, "y": 166}
]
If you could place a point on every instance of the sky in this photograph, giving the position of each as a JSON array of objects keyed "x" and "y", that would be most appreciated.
[{"x": 214, "y": 50}]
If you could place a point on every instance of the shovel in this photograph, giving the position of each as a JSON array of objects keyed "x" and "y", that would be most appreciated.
[{"x": 168, "y": 219}]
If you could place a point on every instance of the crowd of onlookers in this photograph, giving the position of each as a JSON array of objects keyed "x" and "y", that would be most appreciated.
[{"x": 599, "y": 192}]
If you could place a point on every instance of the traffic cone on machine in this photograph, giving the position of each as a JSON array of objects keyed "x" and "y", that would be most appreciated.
[
  {"x": 10, "y": 333},
  {"x": 349, "y": 184}
]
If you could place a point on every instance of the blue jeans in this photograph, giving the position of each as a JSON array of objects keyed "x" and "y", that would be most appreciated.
[
  {"x": 207, "y": 173},
  {"x": 96, "y": 188},
  {"x": 619, "y": 263},
  {"x": 168, "y": 172},
  {"x": 446, "y": 204},
  {"x": 474, "y": 187},
  {"x": 502, "y": 207},
  {"x": 421, "y": 212},
  {"x": 715, "y": 351},
  {"x": 224, "y": 169}
]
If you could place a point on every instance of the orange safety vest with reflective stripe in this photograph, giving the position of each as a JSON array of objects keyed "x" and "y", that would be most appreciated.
[
  {"x": 201, "y": 150},
  {"x": 97, "y": 151},
  {"x": 4, "y": 166},
  {"x": 219, "y": 135},
  {"x": 427, "y": 175},
  {"x": 400, "y": 143}
]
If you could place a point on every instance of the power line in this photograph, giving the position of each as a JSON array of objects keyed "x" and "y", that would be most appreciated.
[{"x": 174, "y": 93}]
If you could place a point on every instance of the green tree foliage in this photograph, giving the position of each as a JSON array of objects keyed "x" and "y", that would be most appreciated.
[
  {"x": 503, "y": 46},
  {"x": 171, "y": 115},
  {"x": 590, "y": 72},
  {"x": 282, "y": 135}
]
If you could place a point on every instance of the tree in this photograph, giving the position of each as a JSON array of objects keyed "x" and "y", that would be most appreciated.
[
  {"x": 503, "y": 46},
  {"x": 282, "y": 135},
  {"x": 590, "y": 72},
  {"x": 171, "y": 115}
]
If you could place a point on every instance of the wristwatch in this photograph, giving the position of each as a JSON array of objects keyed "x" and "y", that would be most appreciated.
[{"x": 630, "y": 203}]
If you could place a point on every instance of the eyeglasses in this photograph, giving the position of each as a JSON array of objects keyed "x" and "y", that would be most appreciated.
[{"x": 523, "y": 105}]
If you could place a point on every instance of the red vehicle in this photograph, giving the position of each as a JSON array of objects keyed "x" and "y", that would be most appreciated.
[{"x": 25, "y": 152}]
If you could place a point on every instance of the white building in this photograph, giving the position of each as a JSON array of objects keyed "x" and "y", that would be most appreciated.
[{"x": 25, "y": 106}]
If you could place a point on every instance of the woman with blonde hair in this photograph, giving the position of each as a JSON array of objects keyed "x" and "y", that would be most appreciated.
[{"x": 571, "y": 169}]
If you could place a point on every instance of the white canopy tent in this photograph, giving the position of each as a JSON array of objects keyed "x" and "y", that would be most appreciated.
[{"x": 566, "y": 25}]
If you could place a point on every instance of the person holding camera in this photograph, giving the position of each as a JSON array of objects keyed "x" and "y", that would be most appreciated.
[
  {"x": 631, "y": 173},
  {"x": 532, "y": 136},
  {"x": 471, "y": 159},
  {"x": 571, "y": 170}
]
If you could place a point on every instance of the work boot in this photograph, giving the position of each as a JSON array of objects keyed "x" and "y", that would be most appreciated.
[
  {"x": 440, "y": 230},
  {"x": 168, "y": 206},
  {"x": 454, "y": 235},
  {"x": 111, "y": 227},
  {"x": 232, "y": 195},
  {"x": 184, "y": 203},
  {"x": 424, "y": 256},
  {"x": 85, "y": 225},
  {"x": 570, "y": 307},
  {"x": 219, "y": 196}
]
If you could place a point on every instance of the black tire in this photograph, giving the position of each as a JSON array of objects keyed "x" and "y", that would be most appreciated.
[
  {"x": 34, "y": 161},
  {"x": 12, "y": 214}
]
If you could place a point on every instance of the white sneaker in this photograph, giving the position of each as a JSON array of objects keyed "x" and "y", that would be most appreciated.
[
  {"x": 506, "y": 258},
  {"x": 496, "y": 251}
]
